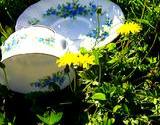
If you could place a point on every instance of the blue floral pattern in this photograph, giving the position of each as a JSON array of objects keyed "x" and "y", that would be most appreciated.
[
  {"x": 47, "y": 41},
  {"x": 14, "y": 42},
  {"x": 57, "y": 78},
  {"x": 94, "y": 34},
  {"x": 104, "y": 34},
  {"x": 33, "y": 21},
  {"x": 108, "y": 22},
  {"x": 68, "y": 10},
  {"x": 72, "y": 10}
]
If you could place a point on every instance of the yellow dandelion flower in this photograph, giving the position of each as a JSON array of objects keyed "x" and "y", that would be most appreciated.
[
  {"x": 129, "y": 27},
  {"x": 86, "y": 60},
  {"x": 76, "y": 59},
  {"x": 67, "y": 59}
]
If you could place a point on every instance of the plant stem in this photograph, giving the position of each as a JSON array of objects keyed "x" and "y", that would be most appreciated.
[
  {"x": 100, "y": 73},
  {"x": 98, "y": 34},
  {"x": 8, "y": 13},
  {"x": 89, "y": 107},
  {"x": 5, "y": 76},
  {"x": 123, "y": 49},
  {"x": 87, "y": 86},
  {"x": 143, "y": 10},
  {"x": 98, "y": 28},
  {"x": 75, "y": 80},
  {"x": 2, "y": 31},
  {"x": 98, "y": 25},
  {"x": 70, "y": 81}
]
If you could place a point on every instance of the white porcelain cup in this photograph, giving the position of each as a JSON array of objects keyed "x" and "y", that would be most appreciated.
[{"x": 30, "y": 55}]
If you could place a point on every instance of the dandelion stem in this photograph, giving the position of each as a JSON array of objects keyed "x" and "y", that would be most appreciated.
[
  {"x": 143, "y": 10},
  {"x": 75, "y": 80},
  {"x": 70, "y": 81},
  {"x": 98, "y": 25},
  {"x": 87, "y": 86}
]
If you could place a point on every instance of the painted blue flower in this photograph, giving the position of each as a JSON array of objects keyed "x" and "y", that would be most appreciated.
[
  {"x": 54, "y": 79},
  {"x": 47, "y": 82},
  {"x": 68, "y": 6},
  {"x": 8, "y": 47},
  {"x": 59, "y": 7},
  {"x": 73, "y": 13},
  {"x": 13, "y": 42},
  {"x": 93, "y": 33},
  {"x": 80, "y": 10},
  {"x": 94, "y": 7},
  {"x": 105, "y": 35},
  {"x": 61, "y": 80},
  {"x": 53, "y": 12},
  {"x": 108, "y": 22},
  {"x": 41, "y": 39},
  {"x": 37, "y": 84}
]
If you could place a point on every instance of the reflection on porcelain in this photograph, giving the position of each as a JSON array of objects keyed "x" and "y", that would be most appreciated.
[
  {"x": 30, "y": 55},
  {"x": 74, "y": 19}
]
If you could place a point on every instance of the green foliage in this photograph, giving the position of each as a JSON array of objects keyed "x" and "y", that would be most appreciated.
[
  {"x": 4, "y": 120},
  {"x": 130, "y": 73},
  {"x": 11, "y": 9},
  {"x": 51, "y": 118},
  {"x": 5, "y": 32},
  {"x": 99, "y": 96}
]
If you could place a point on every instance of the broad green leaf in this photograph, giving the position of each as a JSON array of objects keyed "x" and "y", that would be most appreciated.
[
  {"x": 51, "y": 119},
  {"x": 155, "y": 101},
  {"x": 113, "y": 120},
  {"x": 126, "y": 108},
  {"x": 144, "y": 22},
  {"x": 111, "y": 46},
  {"x": 126, "y": 122},
  {"x": 134, "y": 122},
  {"x": 105, "y": 119},
  {"x": 83, "y": 50},
  {"x": 109, "y": 122},
  {"x": 113, "y": 60},
  {"x": 2, "y": 119},
  {"x": 116, "y": 108},
  {"x": 96, "y": 55},
  {"x": 99, "y": 96}
]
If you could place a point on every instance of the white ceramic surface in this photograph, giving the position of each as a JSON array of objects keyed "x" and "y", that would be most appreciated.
[
  {"x": 75, "y": 24},
  {"x": 30, "y": 54}
]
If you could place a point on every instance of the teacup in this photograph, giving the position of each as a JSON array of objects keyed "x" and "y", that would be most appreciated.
[{"x": 30, "y": 56}]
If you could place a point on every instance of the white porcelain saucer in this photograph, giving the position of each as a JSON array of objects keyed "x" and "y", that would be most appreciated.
[{"x": 76, "y": 21}]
